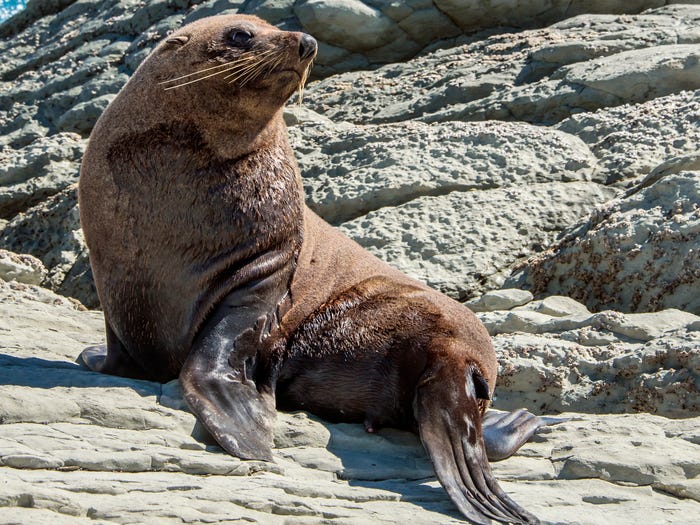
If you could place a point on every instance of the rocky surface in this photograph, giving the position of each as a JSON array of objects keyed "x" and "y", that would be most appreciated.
[
  {"x": 398, "y": 157},
  {"x": 357, "y": 34},
  {"x": 398, "y": 189},
  {"x": 561, "y": 160},
  {"x": 636, "y": 253},
  {"x": 111, "y": 450},
  {"x": 557, "y": 356}
]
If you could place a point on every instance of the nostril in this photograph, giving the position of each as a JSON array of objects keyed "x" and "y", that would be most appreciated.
[{"x": 307, "y": 46}]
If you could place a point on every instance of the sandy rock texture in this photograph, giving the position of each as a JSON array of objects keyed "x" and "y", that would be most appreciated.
[
  {"x": 536, "y": 159},
  {"x": 431, "y": 198},
  {"x": 435, "y": 166},
  {"x": 79, "y": 447},
  {"x": 639, "y": 252},
  {"x": 455, "y": 166},
  {"x": 556, "y": 356},
  {"x": 358, "y": 34}
]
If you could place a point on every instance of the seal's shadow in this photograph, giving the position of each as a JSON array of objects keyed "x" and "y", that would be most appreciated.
[
  {"x": 36, "y": 372},
  {"x": 390, "y": 461}
]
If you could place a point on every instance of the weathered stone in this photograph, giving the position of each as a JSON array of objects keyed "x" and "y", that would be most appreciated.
[
  {"x": 463, "y": 243},
  {"x": 37, "y": 171},
  {"x": 351, "y": 170},
  {"x": 538, "y": 76},
  {"x": 21, "y": 268},
  {"x": 504, "y": 299},
  {"x": 635, "y": 254},
  {"x": 112, "y": 449},
  {"x": 557, "y": 306},
  {"x": 51, "y": 232},
  {"x": 632, "y": 140}
]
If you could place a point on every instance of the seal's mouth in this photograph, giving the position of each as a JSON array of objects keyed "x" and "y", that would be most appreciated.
[{"x": 295, "y": 77}]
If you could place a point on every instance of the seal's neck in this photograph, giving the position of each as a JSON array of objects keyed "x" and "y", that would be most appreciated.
[{"x": 242, "y": 134}]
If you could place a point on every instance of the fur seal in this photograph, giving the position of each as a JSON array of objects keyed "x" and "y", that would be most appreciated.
[{"x": 211, "y": 269}]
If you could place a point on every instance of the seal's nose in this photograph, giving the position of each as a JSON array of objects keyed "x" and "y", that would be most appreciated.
[{"x": 307, "y": 46}]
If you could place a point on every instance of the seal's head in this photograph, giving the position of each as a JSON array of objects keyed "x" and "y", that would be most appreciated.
[
  {"x": 226, "y": 74},
  {"x": 236, "y": 53}
]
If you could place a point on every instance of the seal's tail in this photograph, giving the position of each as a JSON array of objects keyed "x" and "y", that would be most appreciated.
[{"x": 449, "y": 422}]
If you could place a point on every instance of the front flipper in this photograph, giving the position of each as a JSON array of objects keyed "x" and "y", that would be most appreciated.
[
  {"x": 218, "y": 386},
  {"x": 506, "y": 432},
  {"x": 449, "y": 422}
]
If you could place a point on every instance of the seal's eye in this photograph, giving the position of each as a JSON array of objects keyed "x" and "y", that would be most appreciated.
[{"x": 240, "y": 37}]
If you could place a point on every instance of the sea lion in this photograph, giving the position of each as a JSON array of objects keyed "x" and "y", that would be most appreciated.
[{"x": 211, "y": 269}]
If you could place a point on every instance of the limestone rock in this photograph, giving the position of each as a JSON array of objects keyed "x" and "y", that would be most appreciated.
[
  {"x": 473, "y": 13},
  {"x": 417, "y": 194},
  {"x": 355, "y": 34},
  {"x": 463, "y": 243},
  {"x": 630, "y": 141},
  {"x": 505, "y": 299},
  {"x": 539, "y": 76},
  {"x": 110, "y": 449},
  {"x": 555, "y": 358},
  {"x": 21, "y": 268},
  {"x": 554, "y": 305},
  {"x": 350, "y": 170},
  {"x": 636, "y": 254},
  {"x": 37, "y": 171},
  {"x": 51, "y": 232}
]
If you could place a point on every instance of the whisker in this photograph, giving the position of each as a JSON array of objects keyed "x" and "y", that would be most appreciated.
[
  {"x": 201, "y": 78},
  {"x": 258, "y": 58},
  {"x": 241, "y": 72},
  {"x": 235, "y": 65},
  {"x": 242, "y": 62},
  {"x": 253, "y": 72},
  {"x": 302, "y": 83},
  {"x": 196, "y": 72}
]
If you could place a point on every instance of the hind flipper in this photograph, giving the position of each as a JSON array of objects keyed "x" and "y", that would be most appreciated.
[
  {"x": 111, "y": 358},
  {"x": 505, "y": 432},
  {"x": 449, "y": 422}
]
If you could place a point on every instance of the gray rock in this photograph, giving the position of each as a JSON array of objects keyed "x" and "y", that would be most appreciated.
[
  {"x": 536, "y": 76},
  {"x": 556, "y": 306},
  {"x": 112, "y": 449},
  {"x": 632, "y": 140},
  {"x": 464, "y": 243},
  {"x": 51, "y": 232},
  {"x": 37, "y": 171},
  {"x": 635, "y": 254},
  {"x": 21, "y": 268},
  {"x": 602, "y": 363},
  {"x": 350, "y": 170},
  {"x": 356, "y": 34},
  {"x": 473, "y": 13},
  {"x": 454, "y": 204},
  {"x": 505, "y": 299},
  {"x": 82, "y": 117},
  {"x": 640, "y": 74}
]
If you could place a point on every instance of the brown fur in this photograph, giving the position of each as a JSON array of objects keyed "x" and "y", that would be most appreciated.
[{"x": 166, "y": 238}]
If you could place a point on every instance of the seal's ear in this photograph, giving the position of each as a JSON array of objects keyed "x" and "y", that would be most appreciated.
[{"x": 178, "y": 41}]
